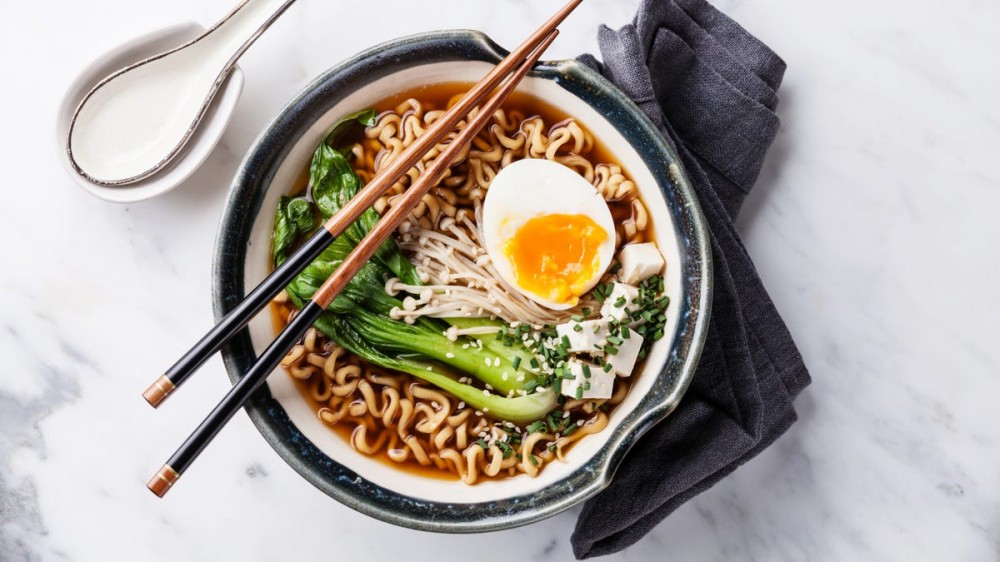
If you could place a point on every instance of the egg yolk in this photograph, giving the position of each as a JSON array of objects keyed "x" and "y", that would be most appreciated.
[{"x": 556, "y": 256}]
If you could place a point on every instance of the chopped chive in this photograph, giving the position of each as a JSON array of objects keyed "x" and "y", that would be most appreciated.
[
  {"x": 534, "y": 363},
  {"x": 533, "y": 460},
  {"x": 586, "y": 385},
  {"x": 615, "y": 340},
  {"x": 586, "y": 371},
  {"x": 586, "y": 311},
  {"x": 517, "y": 362},
  {"x": 579, "y": 392},
  {"x": 576, "y": 318},
  {"x": 531, "y": 385},
  {"x": 620, "y": 302},
  {"x": 610, "y": 349},
  {"x": 607, "y": 367},
  {"x": 624, "y": 332},
  {"x": 577, "y": 328},
  {"x": 508, "y": 451},
  {"x": 535, "y": 426},
  {"x": 569, "y": 430},
  {"x": 482, "y": 443}
]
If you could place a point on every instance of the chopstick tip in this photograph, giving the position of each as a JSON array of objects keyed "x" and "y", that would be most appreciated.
[
  {"x": 158, "y": 391},
  {"x": 162, "y": 481}
]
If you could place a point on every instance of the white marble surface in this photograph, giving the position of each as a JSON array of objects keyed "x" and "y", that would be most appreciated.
[{"x": 874, "y": 228}]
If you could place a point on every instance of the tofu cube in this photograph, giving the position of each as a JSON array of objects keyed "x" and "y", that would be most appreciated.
[
  {"x": 618, "y": 291},
  {"x": 589, "y": 339},
  {"x": 623, "y": 362},
  {"x": 601, "y": 384},
  {"x": 639, "y": 262}
]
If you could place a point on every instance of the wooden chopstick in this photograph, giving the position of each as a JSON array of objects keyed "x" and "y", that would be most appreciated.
[
  {"x": 237, "y": 318},
  {"x": 164, "y": 478}
]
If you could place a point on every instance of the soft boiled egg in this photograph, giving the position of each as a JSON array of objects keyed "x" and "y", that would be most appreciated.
[{"x": 548, "y": 231}]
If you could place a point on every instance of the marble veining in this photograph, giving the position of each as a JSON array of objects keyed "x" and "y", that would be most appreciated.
[{"x": 873, "y": 226}]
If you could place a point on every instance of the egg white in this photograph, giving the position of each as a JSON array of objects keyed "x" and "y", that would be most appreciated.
[{"x": 533, "y": 187}]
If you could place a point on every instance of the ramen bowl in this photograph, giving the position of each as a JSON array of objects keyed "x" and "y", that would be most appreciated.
[{"x": 411, "y": 499}]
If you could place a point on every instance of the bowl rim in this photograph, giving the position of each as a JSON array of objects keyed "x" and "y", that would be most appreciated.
[{"x": 243, "y": 207}]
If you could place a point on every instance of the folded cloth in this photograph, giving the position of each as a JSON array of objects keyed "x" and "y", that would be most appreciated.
[{"x": 710, "y": 87}]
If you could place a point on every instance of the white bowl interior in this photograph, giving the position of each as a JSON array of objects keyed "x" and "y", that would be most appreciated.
[
  {"x": 197, "y": 148},
  {"x": 301, "y": 412}
]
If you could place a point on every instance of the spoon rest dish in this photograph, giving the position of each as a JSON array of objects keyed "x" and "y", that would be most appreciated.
[{"x": 194, "y": 152}]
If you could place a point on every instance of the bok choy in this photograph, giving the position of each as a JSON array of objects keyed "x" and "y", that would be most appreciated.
[{"x": 360, "y": 319}]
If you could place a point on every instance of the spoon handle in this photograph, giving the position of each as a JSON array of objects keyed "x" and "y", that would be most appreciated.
[{"x": 234, "y": 33}]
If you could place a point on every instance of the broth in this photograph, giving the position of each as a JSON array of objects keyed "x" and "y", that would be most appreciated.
[{"x": 438, "y": 96}]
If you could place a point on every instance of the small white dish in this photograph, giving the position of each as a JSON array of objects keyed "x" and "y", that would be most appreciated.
[{"x": 197, "y": 149}]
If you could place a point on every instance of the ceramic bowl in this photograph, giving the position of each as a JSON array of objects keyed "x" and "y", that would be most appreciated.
[
  {"x": 195, "y": 150},
  {"x": 288, "y": 422}
]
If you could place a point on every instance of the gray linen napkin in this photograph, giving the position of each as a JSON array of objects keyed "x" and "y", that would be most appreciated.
[{"x": 710, "y": 87}]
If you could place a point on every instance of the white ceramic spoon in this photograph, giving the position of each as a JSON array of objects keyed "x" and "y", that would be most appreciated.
[{"x": 136, "y": 120}]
